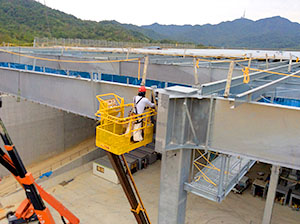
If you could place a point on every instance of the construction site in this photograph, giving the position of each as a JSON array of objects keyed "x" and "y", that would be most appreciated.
[{"x": 216, "y": 142}]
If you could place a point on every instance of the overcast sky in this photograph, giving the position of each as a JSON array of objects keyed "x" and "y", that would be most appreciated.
[{"x": 179, "y": 12}]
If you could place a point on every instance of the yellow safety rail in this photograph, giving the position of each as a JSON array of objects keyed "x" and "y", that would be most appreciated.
[
  {"x": 110, "y": 103},
  {"x": 114, "y": 134}
]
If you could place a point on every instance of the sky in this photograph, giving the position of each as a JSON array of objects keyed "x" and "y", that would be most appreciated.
[{"x": 179, "y": 12}]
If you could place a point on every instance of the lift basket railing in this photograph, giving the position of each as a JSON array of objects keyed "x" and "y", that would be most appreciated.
[{"x": 115, "y": 131}]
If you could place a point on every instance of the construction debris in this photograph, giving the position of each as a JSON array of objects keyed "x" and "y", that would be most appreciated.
[{"x": 64, "y": 183}]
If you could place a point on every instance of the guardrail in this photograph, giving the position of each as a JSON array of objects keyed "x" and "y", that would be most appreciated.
[{"x": 48, "y": 42}]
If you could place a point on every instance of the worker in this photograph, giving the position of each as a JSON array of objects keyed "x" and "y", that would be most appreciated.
[{"x": 140, "y": 103}]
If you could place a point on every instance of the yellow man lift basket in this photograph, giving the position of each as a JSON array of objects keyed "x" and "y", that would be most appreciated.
[{"x": 114, "y": 134}]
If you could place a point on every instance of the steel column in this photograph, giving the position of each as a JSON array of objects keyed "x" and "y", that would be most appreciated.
[
  {"x": 175, "y": 169},
  {"x": 271, "y": 195},
  {"x": 221, "y": 177}
]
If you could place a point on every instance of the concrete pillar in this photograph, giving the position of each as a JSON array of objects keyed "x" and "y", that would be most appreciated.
[
  {"x": 174, "y": 172},
  {"x": 271, "y": 195}
]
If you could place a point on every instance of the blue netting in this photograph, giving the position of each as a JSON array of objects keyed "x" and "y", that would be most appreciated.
[
  {"x": 55, "y": 71},
  {"x": 38, "y": 69},
  {"x": 106, "y": 77},
  {"x": 159, "y": 84},
  {"x": 134, "y": 81},
  {"x": 61, "y": 72},
  {"x": 80, "y": 74},
  {"x": 119, "y": 79},
  {"x": 282, "y": 101},
  {"x": 4, "y": 64},
  {"x": 17, "y": 66}
]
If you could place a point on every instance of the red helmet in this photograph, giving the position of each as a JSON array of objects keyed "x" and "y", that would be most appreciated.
[{"x": 142, "y": 89}]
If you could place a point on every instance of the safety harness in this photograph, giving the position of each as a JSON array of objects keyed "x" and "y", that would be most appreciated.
[{"x": 135, "y": 110}]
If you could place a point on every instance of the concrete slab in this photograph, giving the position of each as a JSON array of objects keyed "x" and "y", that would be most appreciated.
[{"x": 95, "y": 201}]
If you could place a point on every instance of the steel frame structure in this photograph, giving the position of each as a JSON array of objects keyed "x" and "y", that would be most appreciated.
[
  {"x": 192, "y": 119},
  {"x": 237, "y": 127}
]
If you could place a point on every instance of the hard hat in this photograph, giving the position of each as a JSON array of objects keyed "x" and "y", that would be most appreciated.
[{"x": 142, "y": 89}]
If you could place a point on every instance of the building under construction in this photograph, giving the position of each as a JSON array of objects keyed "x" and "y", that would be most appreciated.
[{"x": 221, "y": 146}]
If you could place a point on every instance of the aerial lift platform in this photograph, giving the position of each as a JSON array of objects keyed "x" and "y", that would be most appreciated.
[{"x": 114, "y": 134}]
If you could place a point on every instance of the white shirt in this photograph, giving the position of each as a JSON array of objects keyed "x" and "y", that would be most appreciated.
[{"x": 140, "y": 107}]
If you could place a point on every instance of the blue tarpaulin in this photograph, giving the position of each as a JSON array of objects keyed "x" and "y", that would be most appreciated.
[
  {"x": 80, "y": 74},
  {"x": 17, "y": 66},
  {"x": 281, "y": 101}
]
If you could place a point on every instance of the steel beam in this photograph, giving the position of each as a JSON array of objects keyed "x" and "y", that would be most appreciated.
[
  {"x": 186, "y": 119},
  {"x": 254, "y": 94},
  {"x": 173, "y": 72},
  {"x": 217, "y": 86},
  {"x": 175, "y": 130},
  {"x": 258, "y": 131},
  {"x": 71, "y": 94},
  {"x": 264, "y": 132}
]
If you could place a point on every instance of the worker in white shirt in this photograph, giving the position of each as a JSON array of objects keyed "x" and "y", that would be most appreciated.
[{"x": 140, "y": 102}]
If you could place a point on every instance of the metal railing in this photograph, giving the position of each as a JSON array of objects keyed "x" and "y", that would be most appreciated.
[
  {"x": 50, "y": 42},
  {"x": 214, "y": 175}
]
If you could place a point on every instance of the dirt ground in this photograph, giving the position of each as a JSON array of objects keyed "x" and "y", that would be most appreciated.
[{"x": 95, "y": 200}]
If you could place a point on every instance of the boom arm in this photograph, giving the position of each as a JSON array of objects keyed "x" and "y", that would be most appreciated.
[{"x": 34, "y": 192}]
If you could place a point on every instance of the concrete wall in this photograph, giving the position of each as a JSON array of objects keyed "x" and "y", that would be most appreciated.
[
  {"x": 39, "y": 132},
  {"x": 96, "y": 154},
  {"x": 74, "y": 169}
]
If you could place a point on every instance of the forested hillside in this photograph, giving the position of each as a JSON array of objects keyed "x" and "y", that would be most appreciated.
[
  {"x": 275, "y": 32},
  {"x": 22, "y": 20}
]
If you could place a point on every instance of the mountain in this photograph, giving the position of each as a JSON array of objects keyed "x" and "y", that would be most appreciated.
[
  {"x": 22, "y": 20},
  {"x": 275, "y": 32}
]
